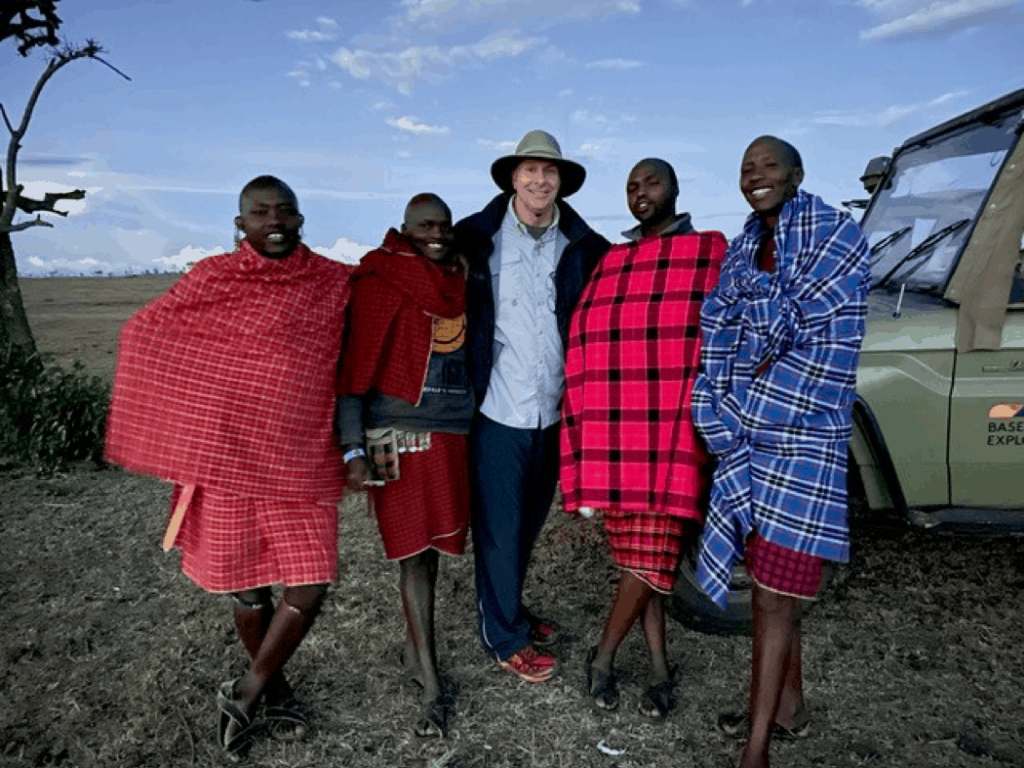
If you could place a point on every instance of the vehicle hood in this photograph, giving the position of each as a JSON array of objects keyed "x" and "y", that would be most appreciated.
[{"x": 924, "y": 323}]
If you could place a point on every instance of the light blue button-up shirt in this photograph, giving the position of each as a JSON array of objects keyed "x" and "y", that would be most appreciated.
[{"x": 528, "y": 375}]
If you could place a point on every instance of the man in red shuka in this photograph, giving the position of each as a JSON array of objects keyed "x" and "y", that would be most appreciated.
[{"x": 225, "y": 386}]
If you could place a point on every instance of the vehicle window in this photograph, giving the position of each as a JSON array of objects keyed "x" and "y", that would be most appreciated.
[
  {"x": 1017, "y": 286},
  {"x": 918, "y": 224}
]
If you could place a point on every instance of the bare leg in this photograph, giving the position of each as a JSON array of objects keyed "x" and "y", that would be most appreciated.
[
  {"x": 631, "y": 599},
  {"x": 417, "y": 580},
  {"x": 254, "y": 610},
  {"x": 776, "y": 628},
  {"x": 654, "y": 634},
  {"x": 291, "y": 621}
]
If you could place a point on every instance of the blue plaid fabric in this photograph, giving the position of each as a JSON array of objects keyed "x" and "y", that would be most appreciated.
[{"x": 781, "y": 437}]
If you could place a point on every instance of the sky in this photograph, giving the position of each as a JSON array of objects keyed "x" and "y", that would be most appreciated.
[{"x": 359, "y": 105}]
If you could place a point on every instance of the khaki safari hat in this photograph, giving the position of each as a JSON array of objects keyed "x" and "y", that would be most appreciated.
[{"x": 539, "y": 145}]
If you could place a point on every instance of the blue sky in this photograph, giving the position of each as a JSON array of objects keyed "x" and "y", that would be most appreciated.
[{"x": 359, "y": 105}]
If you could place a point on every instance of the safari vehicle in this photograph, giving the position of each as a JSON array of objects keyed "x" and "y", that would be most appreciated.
[{"x": 939, "y": 417}]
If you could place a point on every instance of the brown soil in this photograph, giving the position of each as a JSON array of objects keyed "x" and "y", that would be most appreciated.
[{"x": 110, "y": 657}]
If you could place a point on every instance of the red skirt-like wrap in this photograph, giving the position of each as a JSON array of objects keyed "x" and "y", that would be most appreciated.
[
  {"x": 232, "y": 543},
  {"x": 647, "y": 544},
  {"x": 428, "y": 506},
  {"x": 783, "y": 570}
]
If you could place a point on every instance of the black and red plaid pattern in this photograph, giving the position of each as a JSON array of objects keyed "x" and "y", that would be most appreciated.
[
  {"x": 428, "y": 506},
  {"x": 628, "y": 441},
  {"x": 783, "y": 570},
  {"x": 648, "y": 544},
  {"x": 231, "y": 543}
]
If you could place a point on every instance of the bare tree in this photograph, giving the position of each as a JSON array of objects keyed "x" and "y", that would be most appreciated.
[
  {"x": 14, "y": 327},
  {"x": 31, "y": 22}
]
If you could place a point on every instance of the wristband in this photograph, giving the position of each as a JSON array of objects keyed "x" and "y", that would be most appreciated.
[{"x": 355, "y": 453}]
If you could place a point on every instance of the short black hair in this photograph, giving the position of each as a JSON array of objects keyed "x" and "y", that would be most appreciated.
[
  {"x": 789, "y": 152},
  {"x": 426, "y": 197},
  {"x": 266, "y": 182},
  {"x": 664, "y": 166}
]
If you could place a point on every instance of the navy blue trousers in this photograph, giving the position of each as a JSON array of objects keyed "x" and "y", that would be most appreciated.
[{"x": 514, "y": 472}]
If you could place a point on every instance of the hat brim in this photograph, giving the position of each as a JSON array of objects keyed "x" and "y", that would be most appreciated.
[{"x": 572, "y": 174}]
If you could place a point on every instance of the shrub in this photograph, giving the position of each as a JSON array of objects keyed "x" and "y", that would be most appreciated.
[{"x": 49, "y": 415}]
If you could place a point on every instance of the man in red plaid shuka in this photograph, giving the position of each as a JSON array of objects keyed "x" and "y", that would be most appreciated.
[
  {"x": 404, "y": 385},
  {"x": 629, "y": 447},
  {"x": 225, "y": 386}
]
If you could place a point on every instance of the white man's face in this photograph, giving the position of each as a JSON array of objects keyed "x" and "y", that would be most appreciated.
[{"x": 536, "y": 183}]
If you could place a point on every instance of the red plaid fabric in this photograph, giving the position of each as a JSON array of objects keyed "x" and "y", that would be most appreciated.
[
  {"x": 783, "y": 570},
  {"x": 227, "y": 380},
  {"x": 628, "y": 441},
  {"x": 647, "y": 544},
  {"x": 231, "y": 543},
  {"x": 396, "y": 293},
  {"x": 428, "y": 506}
]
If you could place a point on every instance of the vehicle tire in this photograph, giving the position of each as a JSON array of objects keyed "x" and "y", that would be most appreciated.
[{"x": 692, "y": 608}]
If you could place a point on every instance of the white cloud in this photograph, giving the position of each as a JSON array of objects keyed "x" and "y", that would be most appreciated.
[
  {"x": 617, "y": 64},
  {"x": 591, "y": 119},
  {"x": 883, "y": 117},
  {"x": 403, "y": 69},
  {"x": 87, "y": 265},
  {"x": 901, "y": 18},
  {"x": 326, "y": 30},
  {"x": 343, "y": 250},
  {"x": 501, "y": 146},
  {"x": 186, "y": 256},
  {"x": 412, "y": 125},
  {"x": 447, "y": 14}
]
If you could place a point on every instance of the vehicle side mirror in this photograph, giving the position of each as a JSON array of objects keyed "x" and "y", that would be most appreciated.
[{"x": 875, "y": 171}]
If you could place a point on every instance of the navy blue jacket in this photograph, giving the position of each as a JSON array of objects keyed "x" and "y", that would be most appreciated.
[{"x": 475, "y": 236}]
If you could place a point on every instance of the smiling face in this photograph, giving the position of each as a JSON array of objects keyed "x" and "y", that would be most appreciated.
[
  {"x": 768, "y": 178},
  {"x": 651, "y": 196},
  {"x": 536, "y": 183},
  {"x": 428, "y": 226},
  {"x": 270, "y": 220}
]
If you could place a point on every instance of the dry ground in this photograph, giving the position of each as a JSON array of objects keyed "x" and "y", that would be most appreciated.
[{"x": 109, "y": 657}]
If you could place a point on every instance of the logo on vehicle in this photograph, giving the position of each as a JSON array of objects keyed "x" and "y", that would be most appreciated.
[{"x": 1006, "y": 411}]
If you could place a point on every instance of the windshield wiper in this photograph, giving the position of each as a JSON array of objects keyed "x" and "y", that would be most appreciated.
[
  {"x": 923, "y": 247},
  {"x": 884, "y": 243}
]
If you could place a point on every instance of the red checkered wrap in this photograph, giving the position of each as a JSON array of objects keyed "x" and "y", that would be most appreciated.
[
  {"x": 628, "y": 441},
  {"x": 227, "y": 380},
  {"x": 231, "y": 543},
  {"x": 396, "y": 293},
  {"x": 428, "y": 506},
  {"x": 647, "y": 544},
  {"x": 783, "y": 570}
]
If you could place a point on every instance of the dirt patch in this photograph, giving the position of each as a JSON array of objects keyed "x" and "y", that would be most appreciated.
[{"x": 111, "y": 657}]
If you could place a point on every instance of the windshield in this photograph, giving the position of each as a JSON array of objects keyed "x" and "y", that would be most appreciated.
[{"x": 920, "y": 220}]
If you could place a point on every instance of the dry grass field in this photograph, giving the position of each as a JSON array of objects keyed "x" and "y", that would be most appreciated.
[{"x": 109, "y": 657}]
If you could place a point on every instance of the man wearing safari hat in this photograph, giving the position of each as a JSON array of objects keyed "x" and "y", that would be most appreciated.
[{"x": 530, "y": 255}]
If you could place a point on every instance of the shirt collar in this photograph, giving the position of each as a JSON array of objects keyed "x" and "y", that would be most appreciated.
[
  {"x": 522, "y": 227},
  {"x": 681, "y": 221}
]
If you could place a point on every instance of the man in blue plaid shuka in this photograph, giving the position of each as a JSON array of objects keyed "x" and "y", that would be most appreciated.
[{"x": 773, "y": 403}]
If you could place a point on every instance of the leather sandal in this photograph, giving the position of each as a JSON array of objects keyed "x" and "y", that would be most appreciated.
[
  {"x": 286, "y": 720},
  {"x": 658, "y": 700},
  {"x": 736, "y": 725},
  {"x": 602, "y": 686},
  {"x": 235, "y": 729},
  {"x": 433, "y": 720}
]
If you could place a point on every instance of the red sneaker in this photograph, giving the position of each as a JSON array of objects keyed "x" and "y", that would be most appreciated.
[
  {"x": 543, "y": 633},
  {"x": 529, "y": 665}
]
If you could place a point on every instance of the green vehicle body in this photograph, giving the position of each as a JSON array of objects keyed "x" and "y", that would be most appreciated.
[{"x": 939, "y": 417}]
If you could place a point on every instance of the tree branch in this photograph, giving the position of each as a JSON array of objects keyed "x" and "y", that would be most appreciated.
[
  {"x": 50, "y": 199},
  {"x": 36, "y": 222},
  {"x": 7, "y": 120}
]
